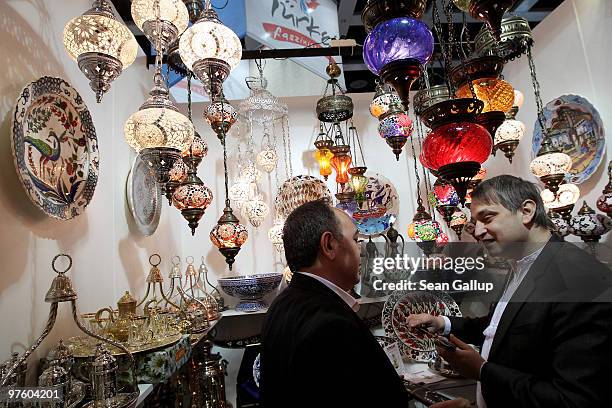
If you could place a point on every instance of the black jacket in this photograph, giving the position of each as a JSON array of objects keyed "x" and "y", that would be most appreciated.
[
  {"x": 553, "y": 345},
  {"x": 316, "y": 352}
]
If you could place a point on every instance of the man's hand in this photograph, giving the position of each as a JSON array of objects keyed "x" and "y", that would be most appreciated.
[
  {"x": 435, "y": 324},
  {"x": 455, "y": 403},
  {"x": 465, "y": 360}
]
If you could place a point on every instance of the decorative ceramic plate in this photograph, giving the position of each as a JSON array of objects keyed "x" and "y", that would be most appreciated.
[
  {"x": 576, "y": 128},
  {"x": 257, "y": 369},
  {"x": 144, "y": 197},
  {"x": 55, "y": 147},
  {"x": 400, "y": 305},
  {"x": 380, "y": 208}
]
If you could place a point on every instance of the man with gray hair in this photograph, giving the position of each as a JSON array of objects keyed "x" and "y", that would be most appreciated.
[
  {"x": 315, "y": 350},
  {"x": 547, "y": 342}
]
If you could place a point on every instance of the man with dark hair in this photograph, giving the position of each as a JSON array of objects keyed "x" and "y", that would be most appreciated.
[
  {"x": 316, "y": 351},
  {"x": 546, "y": 343}
]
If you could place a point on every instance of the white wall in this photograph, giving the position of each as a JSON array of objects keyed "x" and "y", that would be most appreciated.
[{"x": 109, "y": 257}]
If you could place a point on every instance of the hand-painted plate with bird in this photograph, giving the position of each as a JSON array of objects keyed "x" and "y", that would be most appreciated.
[
  {"x": 144, "y": 197},
  {"x": 55, "y": 147}
]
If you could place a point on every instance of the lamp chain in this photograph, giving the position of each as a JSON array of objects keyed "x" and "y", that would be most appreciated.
[
  {"x": 446, "y": 52},
  {"x": 189, "y": 96},
  {"x": 536, "y": 91},
  {"x": 416, "y": 173},
  {"x": 223, "y": 142},
  {"x": 451, "y": 39},
  {"x": 287, "y": 145}
]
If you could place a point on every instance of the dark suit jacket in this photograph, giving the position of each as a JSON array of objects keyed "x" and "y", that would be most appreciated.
[
  {"x": 316, "y": 352},
  {"x": 552, "y": 347}
]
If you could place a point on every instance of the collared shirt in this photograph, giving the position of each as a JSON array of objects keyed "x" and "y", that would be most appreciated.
[
  {"x": 518, "y": 270},
  {"x": 344, "y": 295}
]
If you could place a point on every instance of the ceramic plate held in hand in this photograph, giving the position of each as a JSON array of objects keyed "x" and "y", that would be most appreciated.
[
  {"x": 55, "y": 147},
  {"x": 144, "y": 197},
  {"x": 413, "y": 343}
]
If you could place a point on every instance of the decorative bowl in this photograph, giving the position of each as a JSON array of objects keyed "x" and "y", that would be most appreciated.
[{"x": 250, "y": 289}]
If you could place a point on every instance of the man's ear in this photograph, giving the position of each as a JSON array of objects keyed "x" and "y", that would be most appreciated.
[
  {"x": 528, "y": 211},
  {"x": 328, "y": 245}
]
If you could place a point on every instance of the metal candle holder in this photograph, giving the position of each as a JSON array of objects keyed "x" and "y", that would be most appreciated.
[{"x": 61, "y": 291}]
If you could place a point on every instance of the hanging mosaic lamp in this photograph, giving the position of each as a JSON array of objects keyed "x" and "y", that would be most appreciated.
[
  {"x": 177, "y": 175},
  {"x": 210, "y": 50},
  {"x": 491, "y": 12},
  {"x": 562, "y": 202},
  {"x": 588, "y": 225},
  {"x": 426, "y": 98},
  {"x": 255, "y": 210},
  {"x": 336, "y": 107},
  {"x": 550, "y": 165},
  {"x": 424, "y": 230},
  {"x": 221, "y": 116},
  {"x": 267, "y": 158},
  {"x": 481, "y": 78},
  {"x": 261, "y": 106},
  {"x": 102, "y": 46},
  {"x": 383, "y": 100},
  {"x": 275, "y": 234},
  {"x": 359, "y": 182},
  {"x": 192, "y": 197},
  {"x": 456, "y": 147},
  {"x": 228, "y": 234},
  {"x": 396, "y": 50},
  {"x": 299, "y": 190},
  {"x": 604, "y": 202},
  {"x": 508, "y": 135},
  {"x": 158, "y": 131},
  {"x": 395, "y": 127},
  {"x": 445, "y": 200},
  {"x": 163, "y": 20},
  {"x": 241, "y": 192},
  {"x": 458, "y": 221}
]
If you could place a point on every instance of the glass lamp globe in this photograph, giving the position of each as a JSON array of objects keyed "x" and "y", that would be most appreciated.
[
  {"x": 158, "y": 123},
  {"x": 397, "y": 39},
  {"x": 198, "y": 147},
  {"x": 395, "y": 127},
  {"x": 299, "y": 190},
  {"x": 241, "y": 191},
  {"x": 346, "y": 202},
  {"x": 176, "y": 175},
  {"x": 323, "y": 156},
  {"x": 358, "y": 183},
  {"x": 510, "y": 130},
  {"x": 497, "y": 94},
  {"x": 550, "y": 165},
  {"x": 102, "y": 46},
  {"x": 519, "y": 99},
  {"x": 275, "y": 234},
  {"x": 424, "y": 231},
  {"x": 250, "y": 173},
  {"x": 588, "y": 225},
  {"x": 456, "y": 143},
  {"x": 458, "y": 221},
  {"x": 341, "y": 162},
  {"x": 267, "y": 159},
  {"x": 568, "y": 194},
  {"x": 192, "y": 199},
  {"x": 173, "y": 20},
  {"x": 221, "y": 116},
  {"x": 604, "y": 202},
  {"x": 255, "y": 210},
  {"x": 228, "y": 235},
  {"x": 561, "y": 224},
  {"x": 211, "y": 51},
  {"x": 383, "y": 99}
]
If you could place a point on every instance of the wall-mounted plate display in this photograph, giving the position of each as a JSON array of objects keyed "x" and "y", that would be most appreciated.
[
  {"x": 576, "y": 128},
  {"x": 144, "y": 197},
  {"x": 55, "y": 147},
  {"x": 380, "y": 208},
  {"x": 400, "y": 305}
]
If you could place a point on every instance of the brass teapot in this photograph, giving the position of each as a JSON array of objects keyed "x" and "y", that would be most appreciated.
[{"x": 120, "y": 323}]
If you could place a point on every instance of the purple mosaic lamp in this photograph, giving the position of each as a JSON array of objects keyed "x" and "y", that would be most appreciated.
[{"x": 396, "y": 49}]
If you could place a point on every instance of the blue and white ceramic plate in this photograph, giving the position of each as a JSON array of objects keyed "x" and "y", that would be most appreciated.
[
  {"x": 55, "y": 147},
  {"x": 380, "y": 208},
  {"x": 576, "y": 128}
]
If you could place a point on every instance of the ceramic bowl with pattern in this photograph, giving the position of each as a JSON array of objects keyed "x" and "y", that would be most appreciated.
[{"x": 250, "y": 289}]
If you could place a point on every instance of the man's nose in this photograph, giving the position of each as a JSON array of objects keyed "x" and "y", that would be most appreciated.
[{"x": 479, "y": 231}]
